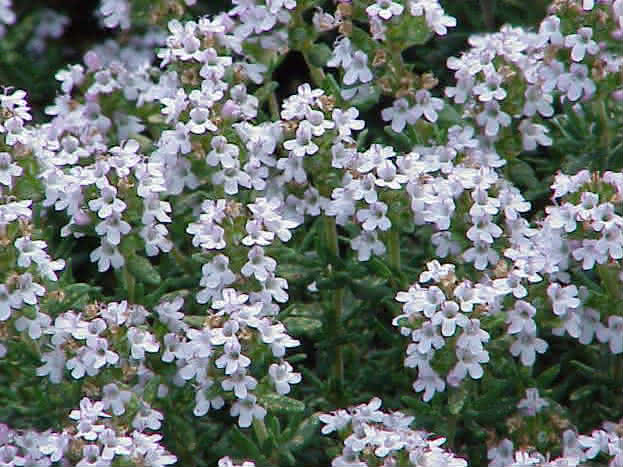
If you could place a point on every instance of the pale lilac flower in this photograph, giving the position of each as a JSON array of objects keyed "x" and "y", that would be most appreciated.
[
  {"x": 8, "y": 169},
  {"x": 468, "y": 362},
  {"x": 399, "y": 114},
  {"x": 502, "y": 454},
  {"x": 36, "y": 326},
  {"x": 537, "y": 100},
  {"x": 491, "y": 88},
  {"x": 612, "y": 334},
  {"x": 115, "y": 398},
  {"x": 303, "y": 143},
  {"x": 141, "y": 342},
  {"x": 146, "y": 417},
  {"x": 112, "y": 228},
  {"x": 231, "y": 178},
  {"x": 346, "y": 121},
  {"x": 384, "y": 9},
  {"x": 426, "y": 105},
  {"x": 581, "y": 43},
  {"x": 449, "y": 317},
  {"x": 222, "y": 152},
  {"x": 357, "y": 69},
  {"x": 576, "y": 82},
  {"x": 247, "y": 409},
  {"x": 367, "y": 243},
  {"x": 428, "y": 381},
  {"x": 107, "y": 255},
  {"x": 334, "y": 421},
  {"x": 240, "y": 382},
  {"x": 492, "y": 117},
  {"x": 232, "y": 358},
  {"x": 258, "y": 265},
  {"x": 527, "y": 344},
  {"x": 427, "y": 337},
  {"x": 533, "y": 403},
  {"x": 611, "y": 242},
  {"x": 473, "y": 336},
  {"x": 521, "y": 317},
  {"x": 594, "y": 444},
  {"x": 374, "y": 218},
  {"x": 549, "y": 31},
  {"x": 563, "y": 298},
  {"x": 533, "y": 134},
  {"x": 54, "y": 365},
  {"x": 282, "y": 377},
  {"x": 481, "y": 254}
]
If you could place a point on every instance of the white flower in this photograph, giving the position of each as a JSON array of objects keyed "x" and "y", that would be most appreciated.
[
  {"x": 533, "y": 403},
  {"x": 468, "y": 362},
  {"x": 527, "y": 344},
  {"x": 581, "y": 43},
  {"x": 258, "y": 265},
  {"x": 428, "y": 381},
  {"x": 367, "y": 243},
  {"x": 115, "y": 398},
  {"x": 384, "y": 9},
  {"x": 141, "y": 342},
  {"x": 426, "y": 105},
  {"x": 107, "y": 255},
  {"x": 576, "y": 82},
  {"x": 282, "y": 376},
  {"x": 563, "y": 298},
  {"x": 232, "y": 358},
  {"x": 533, "y": 134},
  {"x": 240, "y": 382},
  {"x": 374, "y": 218},
  {"x": 492, "y": 117},
  {"x": 357, "y": 69},
  {"x": 247, "y": 409},
  {"x": 303, "y": 143},
  {"x": 399, "y": 114}
]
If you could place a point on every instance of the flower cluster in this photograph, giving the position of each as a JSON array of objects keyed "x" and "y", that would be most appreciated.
[{"x": 374, "y": 434}]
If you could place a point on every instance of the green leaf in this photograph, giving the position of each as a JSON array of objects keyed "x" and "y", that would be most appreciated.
[
  {"x": 522, "y": 174},
  {"x": 281, "y": 404},
  {"x": 582, "y": 393},
  {"x": 413, "y": 30},
  {"x": 303, "y": 434},
  {"x": 143, "y": 270},
  {"x": 298, "y": 326},
  {"x": 319, "y": 55},
  {"x": 457, "y": 400},
  {"x": 244, "y": 443},
  {"x": 548, "y": 376}
]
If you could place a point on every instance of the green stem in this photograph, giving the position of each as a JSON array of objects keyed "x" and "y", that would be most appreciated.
[
  {"x": 394, "y": 248},
  {"x": 130, "y": 283},
  {"x": 604, "y": 121},
  {"x": 182, "y": 261},
  {"x": 334, "y": 318},
  {"x": 273, "y": 105},
  {"x": 260, "y": 430},
  {"x": 316, "y": 73}
]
